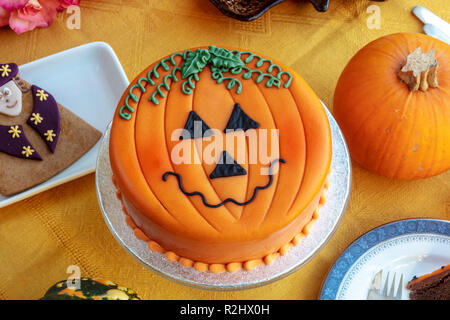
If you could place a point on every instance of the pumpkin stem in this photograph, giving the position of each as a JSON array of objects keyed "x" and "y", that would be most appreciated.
[{"x": 420, "y": 70}]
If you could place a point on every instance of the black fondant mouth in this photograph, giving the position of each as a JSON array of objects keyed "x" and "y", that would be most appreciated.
[{"x": 205, "y": 202}]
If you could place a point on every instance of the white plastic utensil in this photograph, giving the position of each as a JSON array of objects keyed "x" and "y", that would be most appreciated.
[
  {"x": 434, "y": 31},
  {"x": 433, "y": 25}
]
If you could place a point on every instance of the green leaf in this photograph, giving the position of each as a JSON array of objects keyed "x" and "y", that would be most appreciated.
[
  {"x": 223, "y": 59},
  {"x": 195, "y": 62}
]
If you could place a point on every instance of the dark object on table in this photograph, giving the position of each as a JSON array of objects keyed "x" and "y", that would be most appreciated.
[
  {"x": 90, "y": 289},
  {"x": 320, "y": 5},
  {"x": 432, "y": 286},
  {"x": 247, "y": 10}
]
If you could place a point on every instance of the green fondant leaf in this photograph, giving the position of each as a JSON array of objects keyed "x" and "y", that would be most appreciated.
[
  {"x": 224, "y": 59},
  {"x": 195, "y": 62}
]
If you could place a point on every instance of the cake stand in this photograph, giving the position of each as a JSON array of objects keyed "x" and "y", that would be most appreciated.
[{"x": 321, "y": 232}]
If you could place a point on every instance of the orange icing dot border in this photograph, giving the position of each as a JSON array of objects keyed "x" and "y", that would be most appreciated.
[{"x": 232, "y": 266}]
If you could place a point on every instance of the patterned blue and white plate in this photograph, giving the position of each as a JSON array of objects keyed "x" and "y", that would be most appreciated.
[{"x": 409, "y": 247}]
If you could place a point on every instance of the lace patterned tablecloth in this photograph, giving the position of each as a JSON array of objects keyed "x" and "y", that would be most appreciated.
[{"x": 42, "y": 236}]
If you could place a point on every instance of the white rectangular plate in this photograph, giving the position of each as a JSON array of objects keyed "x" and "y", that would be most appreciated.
[{"x": 89, "y": 81}]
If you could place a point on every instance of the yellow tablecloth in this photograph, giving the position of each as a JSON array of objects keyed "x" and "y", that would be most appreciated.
[{"x": 43, "y": 235}]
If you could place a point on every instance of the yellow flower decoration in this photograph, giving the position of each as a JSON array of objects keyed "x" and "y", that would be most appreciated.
[
  {"x": 50, "y": 135},
  {"x": 27, "y": 151},
  {"x": 15, "y": 132},
  {"x": 5, "y": 70},
  {"x": 41, "y": 95},
  {"x": 36, "y": 117}
]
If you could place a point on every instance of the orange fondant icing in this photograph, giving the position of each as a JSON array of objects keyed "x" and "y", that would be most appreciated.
[
  {"x": 271, "y": 257},
  {"x": 298, "y": 238},
  {"x": 323, "y": 199},
  {"x": 316, "y": 213},
  {"x": 139, "y": 234},
  {"x": 154, "y": 246},
  {"x": 200, "y": 266},
  {"x": 232, "y": 266},
  {"x": 186, "y": 262},
  {"x": 285, "y": 248},
  {"x": 129, "y": 221},
  {"x": 252, "y": 264},
  {"x": 217, "y": 267},
  {"x": 229, "y": 237},
  {"x": 172, "y": 256}
]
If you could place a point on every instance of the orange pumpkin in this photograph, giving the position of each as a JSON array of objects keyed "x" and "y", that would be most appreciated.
[
  {"x": 392, "y": 103},
  {"x": 184, "y": 209}
]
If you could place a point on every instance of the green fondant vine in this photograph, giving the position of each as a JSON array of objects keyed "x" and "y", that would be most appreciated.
[{"x": 220, "y": 61}]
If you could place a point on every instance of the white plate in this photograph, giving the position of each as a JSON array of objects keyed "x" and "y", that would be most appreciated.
[
  {"x": 409, "y": 247},
  {"x": 89, "y": 81}
]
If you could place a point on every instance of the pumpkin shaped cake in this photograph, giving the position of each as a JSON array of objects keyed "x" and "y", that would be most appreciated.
[{"x": 220, "y": 157}]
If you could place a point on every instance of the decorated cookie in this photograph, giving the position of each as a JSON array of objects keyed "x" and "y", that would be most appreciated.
[
  {"x": 10, "y": 93},
  {"x": 37, "y": 135},
  {"x": 220, "y": 157}
]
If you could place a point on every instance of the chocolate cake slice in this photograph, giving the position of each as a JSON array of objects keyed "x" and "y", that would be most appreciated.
[{"x": 431, "y": 286}]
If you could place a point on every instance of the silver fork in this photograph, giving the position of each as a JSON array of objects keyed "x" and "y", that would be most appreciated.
[{"x": 376, "y": 293}]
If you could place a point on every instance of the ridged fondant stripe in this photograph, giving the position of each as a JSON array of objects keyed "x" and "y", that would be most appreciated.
[
  {"x": 279, "y": 167},
  {"x": 246, "y": 210},
  {"x": 203, "y": 167},
  {"x": 142, "y": 171},
  {"x": 173, "y": 168},
  {"x": 306, "y": 155},
  {"x": 133, "y": 146},
  {"x": 321, "y": 180},
  {"x": 203, "y": 164}
]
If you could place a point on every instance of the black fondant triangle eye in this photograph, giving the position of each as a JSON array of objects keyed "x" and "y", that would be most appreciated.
[
  {"x": 227, "y": 167},
  {"x": 196, "y": 127},
  {"x": 239, "y": 120}
]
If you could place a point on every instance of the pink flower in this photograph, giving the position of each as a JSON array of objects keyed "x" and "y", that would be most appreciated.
[
  {"x": 4, "y": 17},
  {"x": 26, "y": 15},
  {"x": 34, "y": 14},
  {"x": 64, "y": 4},
  {"x": 12, "y": 5},
  {"x": 32, "y": 8}
]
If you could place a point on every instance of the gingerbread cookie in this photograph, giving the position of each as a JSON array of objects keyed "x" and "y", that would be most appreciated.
[{"x": 38, "y": 137}]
